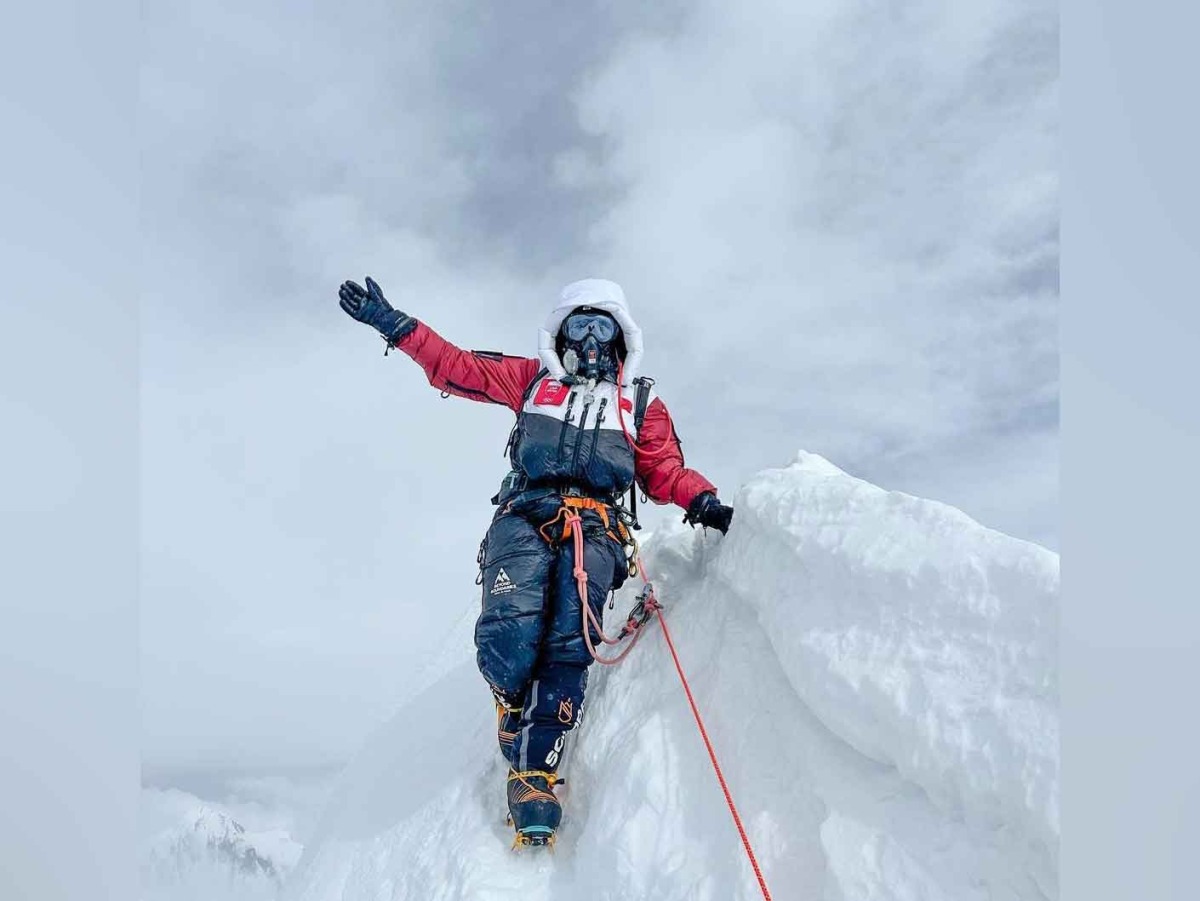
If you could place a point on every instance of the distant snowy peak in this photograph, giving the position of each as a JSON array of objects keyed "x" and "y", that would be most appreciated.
[
  {"x": 209, "y": 846},
  {"x": 217, "y": 827},
  {"x": 226, "y": 839}
]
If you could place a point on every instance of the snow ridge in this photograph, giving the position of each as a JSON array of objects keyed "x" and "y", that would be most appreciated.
[
  {"x": 924, "y": 640},
  {"x": 879, "y": 678}
]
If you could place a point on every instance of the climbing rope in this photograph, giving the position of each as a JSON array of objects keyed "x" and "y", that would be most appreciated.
[
  {"x": 589, "y": 620},
  {"x": 712, "y": 755},
  {"x": 647, "y": 607}
]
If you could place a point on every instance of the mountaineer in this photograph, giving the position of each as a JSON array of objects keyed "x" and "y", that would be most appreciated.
[{"x": 587, "y": 427}]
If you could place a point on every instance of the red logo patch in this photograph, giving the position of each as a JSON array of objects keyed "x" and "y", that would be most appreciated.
[
  {"x": 626, "y": 404},
  {"x": 551, "y": 392}
]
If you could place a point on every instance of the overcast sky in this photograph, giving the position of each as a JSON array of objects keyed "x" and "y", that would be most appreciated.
[{"x": 837, "y": 224}]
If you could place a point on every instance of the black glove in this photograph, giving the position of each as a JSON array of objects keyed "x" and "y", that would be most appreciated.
[
  {"x": 707, "y": 511},
  {"x": 371, "y": 307}
]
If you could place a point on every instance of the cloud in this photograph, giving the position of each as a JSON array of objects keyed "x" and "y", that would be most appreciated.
[
  {"x": 840, "y": 223},
  {"x": 311, "y": 511},
  {"x": 836, "y": 223}
]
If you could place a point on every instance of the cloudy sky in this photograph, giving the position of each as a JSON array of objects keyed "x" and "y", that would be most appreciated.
[{"x": 836, "y": 222}]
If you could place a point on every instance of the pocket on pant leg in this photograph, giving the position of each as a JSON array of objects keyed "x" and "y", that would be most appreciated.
[{"x": 511, "y": 624}]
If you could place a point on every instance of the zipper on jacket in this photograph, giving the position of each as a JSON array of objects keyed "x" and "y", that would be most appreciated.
[
  {"x": 596, "y": 429},
  {"x": 471, "y": 392},
  {"x": 579, "y": 439},
  {"x": 562, "y": 435}
]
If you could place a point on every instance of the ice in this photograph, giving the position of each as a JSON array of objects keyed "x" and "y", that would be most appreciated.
[{"x": 878, "y": 674}]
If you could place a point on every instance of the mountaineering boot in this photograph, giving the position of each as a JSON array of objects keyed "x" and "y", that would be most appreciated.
[
  {"x": 508, "y": 721},
  {"x": 533, "y": 808}
]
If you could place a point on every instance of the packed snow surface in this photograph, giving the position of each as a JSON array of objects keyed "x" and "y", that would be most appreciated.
[{"x": 877, "y": 672}]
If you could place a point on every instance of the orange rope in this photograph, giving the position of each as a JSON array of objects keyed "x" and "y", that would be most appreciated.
[
  {"x": 588, "y": 619},
  {"x": 737, "y": 820},
  {"x": 575, "y": 526}
]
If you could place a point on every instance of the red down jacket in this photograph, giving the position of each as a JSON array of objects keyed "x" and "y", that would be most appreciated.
[{"x": 658, "y": 463}]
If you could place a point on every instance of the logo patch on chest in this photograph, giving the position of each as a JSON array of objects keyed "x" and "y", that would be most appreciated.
[{"x": 551, "y": 393}]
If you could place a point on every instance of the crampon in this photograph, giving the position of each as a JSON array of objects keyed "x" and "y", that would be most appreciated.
[
  {"x": 534, "y": 811},
  {"x": 533, "y": 838}
]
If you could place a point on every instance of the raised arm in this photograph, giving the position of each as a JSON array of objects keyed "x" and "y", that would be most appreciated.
[
  {"x": 661, "y": 472},
  {"x": 476, "y": 375}
]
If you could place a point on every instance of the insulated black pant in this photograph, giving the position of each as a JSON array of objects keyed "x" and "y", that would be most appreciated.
[{"x": 528, "y": 637}]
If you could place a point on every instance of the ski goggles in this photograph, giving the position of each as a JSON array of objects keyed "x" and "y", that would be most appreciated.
[{"x": 578, "y": 326}]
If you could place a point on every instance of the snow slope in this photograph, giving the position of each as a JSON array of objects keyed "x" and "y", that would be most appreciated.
[{"x": 879, "y": 677}]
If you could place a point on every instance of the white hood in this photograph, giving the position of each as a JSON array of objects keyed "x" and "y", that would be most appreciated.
[{"x": 599, "y": 294}]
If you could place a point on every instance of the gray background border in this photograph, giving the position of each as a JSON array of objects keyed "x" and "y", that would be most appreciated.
[
  {"x": 1131, "y": 442},
  {"x": 1131, "y": 430},
  {"x": 68, "y": 452}
]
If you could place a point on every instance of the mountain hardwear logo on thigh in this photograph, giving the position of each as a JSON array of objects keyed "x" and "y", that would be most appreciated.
[{"x": 503, "y": 584}]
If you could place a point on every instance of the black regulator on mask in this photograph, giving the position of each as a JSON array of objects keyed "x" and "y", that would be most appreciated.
[{"x": 589, "y": 341}]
